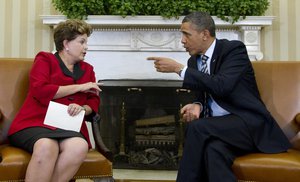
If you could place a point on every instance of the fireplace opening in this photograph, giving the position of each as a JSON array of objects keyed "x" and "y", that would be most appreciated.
[{"x": 141, "y": 122}]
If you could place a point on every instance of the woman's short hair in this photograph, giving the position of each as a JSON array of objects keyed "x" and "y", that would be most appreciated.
[
  {"x": 201, "y": 21},
  {"x": 69, "y": 30}
]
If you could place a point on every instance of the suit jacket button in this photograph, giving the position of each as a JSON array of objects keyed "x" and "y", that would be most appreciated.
[{"x": 70, "y": 98}]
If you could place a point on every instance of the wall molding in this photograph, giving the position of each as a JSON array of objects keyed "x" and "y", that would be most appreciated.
[{"x": 149, "y": 35}]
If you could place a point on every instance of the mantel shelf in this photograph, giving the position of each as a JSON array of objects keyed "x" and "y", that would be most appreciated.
[{"x": 110, "y": 20}]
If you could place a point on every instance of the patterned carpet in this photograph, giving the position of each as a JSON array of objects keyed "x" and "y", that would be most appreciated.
[
  {"x": 123, "y": 175},
  {"x": 128, "y": 180},
  {"x": 129, "y": 175}
]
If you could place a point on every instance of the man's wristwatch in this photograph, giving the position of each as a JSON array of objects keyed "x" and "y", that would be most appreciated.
[{"x": 180, "y": 71}]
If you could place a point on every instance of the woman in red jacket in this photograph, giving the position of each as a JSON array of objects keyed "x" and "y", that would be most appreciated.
[{"x": 64, "y": 78}]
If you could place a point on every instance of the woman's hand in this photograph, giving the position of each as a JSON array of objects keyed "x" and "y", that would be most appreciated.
[
  {"x": 74, "y": 109},
  {"x": 191, "y": 112},
  {"x": 91, "y": 87},
  {"x": 72, "y": 89}
]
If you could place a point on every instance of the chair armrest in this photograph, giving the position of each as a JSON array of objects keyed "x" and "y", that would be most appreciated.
[
  {"x": 95, "y": 119},
  {"x": 1, "y": 129},
  {"x": 4, "y": 127},
  {"x": 297, "y": 119},
  {"x": 295, "y": 141},
  {"x": 0, "y": 115}
]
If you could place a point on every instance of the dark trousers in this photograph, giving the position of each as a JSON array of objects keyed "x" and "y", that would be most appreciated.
[{"x": 210, "y": 147}]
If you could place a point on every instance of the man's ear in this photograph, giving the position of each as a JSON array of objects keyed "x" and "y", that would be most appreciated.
[{"x": 206, "y": 34}]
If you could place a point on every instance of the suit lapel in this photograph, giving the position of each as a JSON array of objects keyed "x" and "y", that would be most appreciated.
[
  {"x": 215, "y": 56},
  {"x": 194, "y": 62},
  {"x": 214, "y": 60}
]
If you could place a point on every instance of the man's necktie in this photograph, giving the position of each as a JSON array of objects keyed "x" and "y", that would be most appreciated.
[{"x": 204, "y": 69}]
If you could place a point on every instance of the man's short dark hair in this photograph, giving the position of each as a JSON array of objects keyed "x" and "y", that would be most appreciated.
[{"x": 202, "y": 21}]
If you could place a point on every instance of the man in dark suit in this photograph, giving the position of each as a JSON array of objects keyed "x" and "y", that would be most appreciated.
[{"x": 237, "y": 121}]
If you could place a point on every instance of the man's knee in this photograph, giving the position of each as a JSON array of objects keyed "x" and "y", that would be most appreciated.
[
  {"x": 217, "y": 148},
  {"x": 198, "y": 126}
]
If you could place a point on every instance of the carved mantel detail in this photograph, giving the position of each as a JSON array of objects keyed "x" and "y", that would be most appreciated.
[{"x": 131, "y": 39}]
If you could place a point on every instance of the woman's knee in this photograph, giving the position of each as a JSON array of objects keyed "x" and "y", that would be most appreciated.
[
  {"x": 76, "y": 147},
  {"x": 81, "y": 150},
  {"x": 45, "y": 148}
]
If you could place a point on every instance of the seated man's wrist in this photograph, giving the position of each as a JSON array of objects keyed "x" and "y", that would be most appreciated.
[
  {"x": 179, "y": 70},
  {"x": 199, "y": 103},
  {"x": 181, "y": 73}
]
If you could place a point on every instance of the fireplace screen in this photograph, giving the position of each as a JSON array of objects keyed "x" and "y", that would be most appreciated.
[{"x": 141, "y": 122}]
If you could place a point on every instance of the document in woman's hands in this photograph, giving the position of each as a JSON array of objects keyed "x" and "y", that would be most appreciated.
[{"x": 57, "y": 116}]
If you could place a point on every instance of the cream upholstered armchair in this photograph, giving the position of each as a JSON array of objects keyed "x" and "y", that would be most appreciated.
[{"x": 14, "y": 82}]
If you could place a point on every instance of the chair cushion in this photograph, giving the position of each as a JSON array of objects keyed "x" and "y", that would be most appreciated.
[
  {"x": 14, "y": 162},
  {"x": 282, "y": 167},
  {"x": 95, "y": 165}
]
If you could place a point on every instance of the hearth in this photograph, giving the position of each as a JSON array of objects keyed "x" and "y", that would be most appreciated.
[{"x": 141, "y": 122}]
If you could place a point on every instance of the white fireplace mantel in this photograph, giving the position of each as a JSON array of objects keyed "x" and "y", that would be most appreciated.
[
  {"x": 118, "y": 47},
  {"x": 111, "y": 20}
]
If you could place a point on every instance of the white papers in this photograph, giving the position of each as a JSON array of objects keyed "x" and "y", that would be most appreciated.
[{"x": 57, "y": 116}]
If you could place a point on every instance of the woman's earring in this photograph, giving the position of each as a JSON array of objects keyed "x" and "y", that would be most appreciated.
[{"x": 67, "y": 49}]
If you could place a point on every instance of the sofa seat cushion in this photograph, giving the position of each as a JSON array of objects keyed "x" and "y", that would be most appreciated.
[
  {"x": 95, "y": 165},
  {"x": 261, "y": 167},
  {"x": 13, "y": 164}
]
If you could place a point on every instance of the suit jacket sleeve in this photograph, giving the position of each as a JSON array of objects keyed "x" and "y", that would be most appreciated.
[
  {"x": 41, "y": 87},
  {"x": 227, "y": 69}
]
